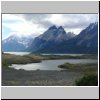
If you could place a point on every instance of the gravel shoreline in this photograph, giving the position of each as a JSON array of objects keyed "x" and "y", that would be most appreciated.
[{"x": 39, "y": 78}]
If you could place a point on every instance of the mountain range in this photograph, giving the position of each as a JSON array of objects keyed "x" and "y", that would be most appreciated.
[
  {"x": 52, "y": 37},
  {"x": 14, "y": 43},
  {"x": 56, "y": 40}
]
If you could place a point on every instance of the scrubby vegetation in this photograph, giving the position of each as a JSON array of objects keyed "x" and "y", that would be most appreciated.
[
  {"x": 90, "y": 67},
  {"x": 88, "y": 80},
  {"x": 8, "y": 59},
  {"x": 74, "y": 71},
  {"x": 88, "y": 56},
  {"x": 89, "y": 71}
]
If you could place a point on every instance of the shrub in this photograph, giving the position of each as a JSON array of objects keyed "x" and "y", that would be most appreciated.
[{"x": 88, "y": 80}]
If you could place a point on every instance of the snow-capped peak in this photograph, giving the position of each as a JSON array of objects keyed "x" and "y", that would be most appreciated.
[
  {"x": 92, "y": 25},
  {"x": 25, "y": 41}
]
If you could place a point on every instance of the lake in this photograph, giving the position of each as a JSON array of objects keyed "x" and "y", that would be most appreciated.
[
  {"x": 26, "y": 53},
  {"x": 50, "y": 64},
  {"x": 64, "y": 54},
  {"x": 18, "y": 53}
]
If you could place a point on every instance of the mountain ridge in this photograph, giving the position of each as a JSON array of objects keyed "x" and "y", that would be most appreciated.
[
  {"x": 52, "y": 36},
  {"x": 56, "y": 40},
  {"x": 85, "y": 42}
]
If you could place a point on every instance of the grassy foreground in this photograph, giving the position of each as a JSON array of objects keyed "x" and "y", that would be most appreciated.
[
  {"x": 89, "y": 71},
  {"x": 12, "y": 77}
]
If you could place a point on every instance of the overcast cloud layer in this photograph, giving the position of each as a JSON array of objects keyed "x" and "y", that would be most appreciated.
[{"x": 27, "y": 24}]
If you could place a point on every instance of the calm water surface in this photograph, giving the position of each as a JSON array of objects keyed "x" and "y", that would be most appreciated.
[
  {"x": 64, "y": 54},
  {"x": 18, "y": 53},
  {"x": 50, "y": 64},
  {"x": 26, "y": 53}
]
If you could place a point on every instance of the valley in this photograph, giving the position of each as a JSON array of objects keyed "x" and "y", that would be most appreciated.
[
  {"x": 21, "y": 77},
  {"x": 64, "y": 54}
]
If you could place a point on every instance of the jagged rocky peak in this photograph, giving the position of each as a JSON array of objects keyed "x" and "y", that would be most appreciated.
[
  {"x": 60, "y": 27},
  {"x": 61, "y": 30},
  {"x": 53, "y": 27},
  {"x": 92, "y": 25},
  {"x": 95, "y": 23},
  {"x": 56, "y": 28},
  {"x": 90, "y": 29}
]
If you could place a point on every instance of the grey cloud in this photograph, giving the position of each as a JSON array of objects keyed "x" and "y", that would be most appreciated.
[
  {"x": 30, "y": 17},
  {"x": 73, "y": 20},
  {"x": 80, "y": 20},
  {"x": 37, "y": 19}
]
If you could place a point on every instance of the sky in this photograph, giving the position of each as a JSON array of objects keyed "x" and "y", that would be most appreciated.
[{"x": 36, "y": 24}]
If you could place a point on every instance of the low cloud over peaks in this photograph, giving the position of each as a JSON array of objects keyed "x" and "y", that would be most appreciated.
[{"x": 26, "y": 24}]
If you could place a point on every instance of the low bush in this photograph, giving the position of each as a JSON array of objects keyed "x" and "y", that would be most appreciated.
[{"x": 88, "y": 80}]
